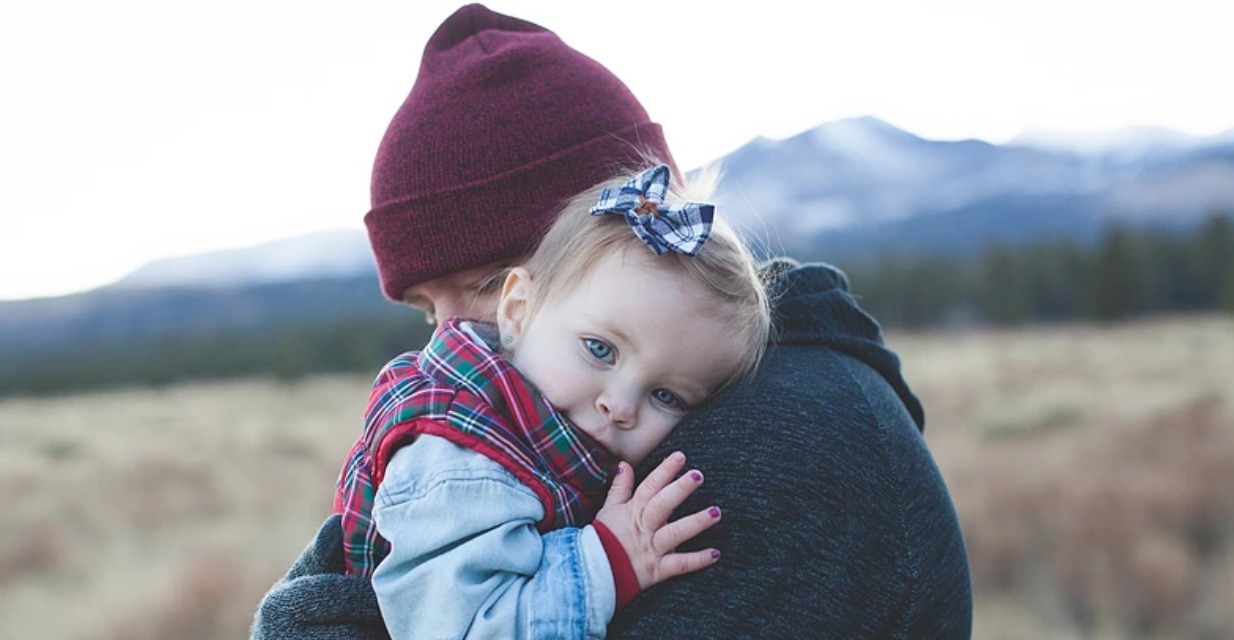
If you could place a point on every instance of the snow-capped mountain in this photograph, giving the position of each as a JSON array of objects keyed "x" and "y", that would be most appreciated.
[
  {"x": 863, "y": 171},
  {"x": 865, "y": 178}
]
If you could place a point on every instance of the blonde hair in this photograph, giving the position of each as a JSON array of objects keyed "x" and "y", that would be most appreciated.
[{"x": 724, "y": 266}]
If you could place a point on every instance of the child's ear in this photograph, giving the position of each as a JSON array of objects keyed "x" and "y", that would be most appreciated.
[{"x": 512, "y": 309}]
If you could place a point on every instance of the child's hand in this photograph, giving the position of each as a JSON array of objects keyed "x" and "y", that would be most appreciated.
[{"x": 640, "y": 522}]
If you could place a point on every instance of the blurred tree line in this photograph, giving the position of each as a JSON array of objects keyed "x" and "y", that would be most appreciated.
[
  {"x": 1130, "y": 272},
  {"x": 361, "y": 342}
]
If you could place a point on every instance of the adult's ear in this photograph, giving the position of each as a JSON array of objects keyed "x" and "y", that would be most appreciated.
[{"x": 513, "y": 307}]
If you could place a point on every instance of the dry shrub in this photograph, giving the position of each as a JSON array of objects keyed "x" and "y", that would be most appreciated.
[
  {"x": 163, "y": 489},
  {"x": 1123, "y": 532},
  {"x": 109, "y": 495},
  {"x": 1001, "y": 545},
  {"x": 33, "y": 549},
  {"x": 1188, "y": 470},
  {"x": 1220, "y": 598},
  {"x": 1162, "y": 582},
  {"x": 212, "y": 600},
  {"x": 286, "y": 445},
  {"x": 1095, "y": 531}
]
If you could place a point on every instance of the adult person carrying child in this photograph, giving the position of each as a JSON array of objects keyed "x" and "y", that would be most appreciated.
[{"x": 837, "y": 523}]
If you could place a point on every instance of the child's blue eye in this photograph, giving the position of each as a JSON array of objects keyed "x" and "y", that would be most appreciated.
[
  {"x": 600, "y": 349},
  {"x": 668, "y": 398}
]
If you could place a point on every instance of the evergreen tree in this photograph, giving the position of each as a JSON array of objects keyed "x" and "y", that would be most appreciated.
[
  {"x": 1003, "y": 286},
  {"x": 1057, "y": 272},
  {"x": 1176, "y": 284},
  {"x": 1214, "y": 253},
  {"x": 1116, "y": 275}
]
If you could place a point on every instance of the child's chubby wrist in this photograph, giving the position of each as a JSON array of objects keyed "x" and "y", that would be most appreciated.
[{"x": 625, "y": 580}]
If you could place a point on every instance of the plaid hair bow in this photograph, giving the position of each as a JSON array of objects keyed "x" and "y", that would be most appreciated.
[{"x": 683, "y": 228}]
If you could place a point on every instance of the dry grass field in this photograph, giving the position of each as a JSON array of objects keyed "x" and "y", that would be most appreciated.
[
  {"x": 1093, "y": 471},
  {"x": 1092, "y": 467}
]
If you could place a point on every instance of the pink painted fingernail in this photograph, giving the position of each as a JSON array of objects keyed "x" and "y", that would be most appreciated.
[
  {"x": 715, "y": 554},
  {"x": 714, "y": 511},
  {"x": 696, "y": 476},
  {"x": 619, "y": 469}
]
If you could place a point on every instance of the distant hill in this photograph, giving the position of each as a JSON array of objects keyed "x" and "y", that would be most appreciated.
[
  {"x": 332, "y": 254},
  {"x": 121, "y": 335},
  {"x": 121, "y": 314}
]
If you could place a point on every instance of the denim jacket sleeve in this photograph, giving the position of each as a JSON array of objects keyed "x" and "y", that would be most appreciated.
[{"x": 466, "y": 560}]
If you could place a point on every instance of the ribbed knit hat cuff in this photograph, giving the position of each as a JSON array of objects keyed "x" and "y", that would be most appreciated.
[{"x": 419, "y": 239}]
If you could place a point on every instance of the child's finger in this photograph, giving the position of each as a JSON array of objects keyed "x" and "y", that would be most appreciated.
[
  {"x": 676, "y": 533},
  {"x": 675, "y": 564},
  {"x": 623, "y": 485},
  {"x": 660, "y": 477},
  {"x": 662, "y": 505}
]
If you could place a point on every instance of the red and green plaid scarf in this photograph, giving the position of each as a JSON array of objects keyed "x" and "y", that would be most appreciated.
[{"x": 458, "y": 388}]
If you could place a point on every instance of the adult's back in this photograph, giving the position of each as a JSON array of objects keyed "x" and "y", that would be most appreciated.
[{"x": 837, "y": 522}]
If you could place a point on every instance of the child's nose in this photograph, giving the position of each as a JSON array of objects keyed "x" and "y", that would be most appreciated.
[{"x": 616, "y": 408}]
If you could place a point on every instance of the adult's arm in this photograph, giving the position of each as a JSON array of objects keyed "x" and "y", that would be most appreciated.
[
  {"x": 316, "y": 601},
  {"x": 837, "y": 522},
  {"x": 467, "y": 561}
]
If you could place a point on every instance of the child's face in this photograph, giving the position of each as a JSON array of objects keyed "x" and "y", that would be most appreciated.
[{"x": 626, "y": 354}]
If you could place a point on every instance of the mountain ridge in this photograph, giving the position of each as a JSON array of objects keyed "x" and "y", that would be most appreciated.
[{"x": 858, "y": 189}]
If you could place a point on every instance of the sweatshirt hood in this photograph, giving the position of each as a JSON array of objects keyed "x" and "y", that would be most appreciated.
[{"x": 812, "y": 306}]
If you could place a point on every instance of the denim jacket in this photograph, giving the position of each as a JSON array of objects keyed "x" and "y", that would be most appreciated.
[{"x": 467, "y": 561}]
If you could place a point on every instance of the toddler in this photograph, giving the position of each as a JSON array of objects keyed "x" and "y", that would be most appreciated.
[{"x": 471, "y": 497}]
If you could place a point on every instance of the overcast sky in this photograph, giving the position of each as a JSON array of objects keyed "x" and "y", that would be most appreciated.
[{"x": 132, "y": 130}]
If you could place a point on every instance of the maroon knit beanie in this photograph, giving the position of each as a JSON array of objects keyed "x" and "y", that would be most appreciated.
[{"x": 503, "y": 124}]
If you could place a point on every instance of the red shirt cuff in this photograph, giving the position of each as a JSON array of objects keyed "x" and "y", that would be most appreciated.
[{"x": 624, "y": 577}]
